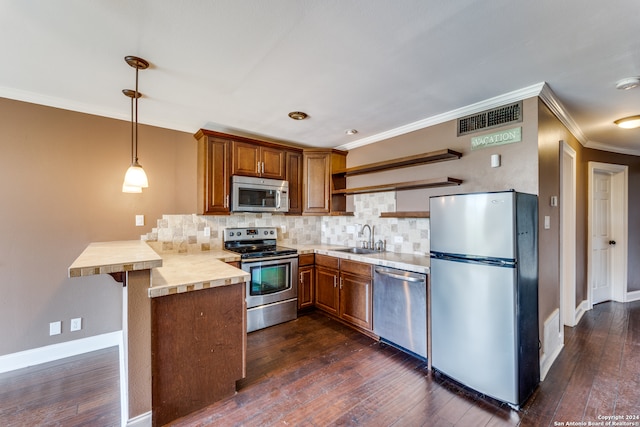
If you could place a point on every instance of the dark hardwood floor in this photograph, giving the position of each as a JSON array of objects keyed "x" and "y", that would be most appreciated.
[
  {"x": 82, "y": 390},
  {"x": 317, "y": 372}
]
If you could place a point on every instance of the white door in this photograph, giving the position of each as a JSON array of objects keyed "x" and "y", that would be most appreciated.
[{"x": 602, "y": 240}]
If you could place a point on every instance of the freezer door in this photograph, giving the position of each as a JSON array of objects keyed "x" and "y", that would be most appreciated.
[
  {"x": 473, "y": 326},
  {"x": 480, "y": 224}
]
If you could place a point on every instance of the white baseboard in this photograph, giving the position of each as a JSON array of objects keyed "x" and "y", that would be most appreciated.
[
  {"x": 50, "y": 353},
  {"x": 553, "y": 344},
  {"x": 633, "y": 296},
  {"x": 142, "y": 420},
  {"x": 581, "y": 310}
]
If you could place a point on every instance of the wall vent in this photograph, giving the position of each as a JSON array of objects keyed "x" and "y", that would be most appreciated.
[{"x": 500, "y": 116}]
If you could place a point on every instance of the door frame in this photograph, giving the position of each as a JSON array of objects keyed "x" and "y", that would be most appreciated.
[
  {"x": 619, "y": 228},
  {"x": 568, "y": 238}
]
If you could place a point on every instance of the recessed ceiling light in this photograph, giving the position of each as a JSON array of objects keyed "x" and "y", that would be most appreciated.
[
  {"x": 628, "y": 83},
  {"x": 298, "y": 115},
  {"x": 351, "y": 131},
  {"x": 629, "y": 122}
]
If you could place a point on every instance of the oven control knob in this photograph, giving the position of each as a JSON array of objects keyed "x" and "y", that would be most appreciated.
[
  {"x": 239, "y": 233},
  {"x": 231, "y": 234},
  {"x": 271, "y": 232},
  {"x": 266, "y": 232}
]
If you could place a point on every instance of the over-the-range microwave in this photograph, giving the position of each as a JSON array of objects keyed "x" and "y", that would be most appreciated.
[{"x": 251, "y": 194}]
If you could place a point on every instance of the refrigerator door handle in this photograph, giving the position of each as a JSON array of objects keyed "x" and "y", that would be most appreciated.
[{"x": 469, "y": 259}]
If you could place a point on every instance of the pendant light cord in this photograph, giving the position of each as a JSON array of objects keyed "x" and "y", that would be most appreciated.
[{"x": 137, "y": 95}]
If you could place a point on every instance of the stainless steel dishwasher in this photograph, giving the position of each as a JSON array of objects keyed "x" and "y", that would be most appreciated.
[{"x": 400, "y": 309}]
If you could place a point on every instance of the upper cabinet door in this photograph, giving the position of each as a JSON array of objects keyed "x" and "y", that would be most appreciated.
[
  {"x": 213, "y": 175},
  {"x": 294, "y": 176},
  {"x": 255, "y": 160},
  {"x": 273, "y": 162},
  {"x": 317, "y": 185},
  {"x": 246, "y": 159}
]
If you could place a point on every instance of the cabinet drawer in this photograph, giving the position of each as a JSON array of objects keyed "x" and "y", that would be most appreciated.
[
  {"x": 306, "y": 259},
  {"x": 327, "y": 261},
  {"x": 356, "y": 267}
]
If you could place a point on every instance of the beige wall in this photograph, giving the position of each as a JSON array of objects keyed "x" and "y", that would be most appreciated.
[{"x": 61, "y": 189}]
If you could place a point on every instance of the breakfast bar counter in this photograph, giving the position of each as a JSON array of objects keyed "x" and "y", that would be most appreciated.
[{"x": 184, "y": 326}]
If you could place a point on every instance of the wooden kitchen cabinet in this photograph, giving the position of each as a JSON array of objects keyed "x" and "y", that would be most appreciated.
[
  {"x": 327, "y": 291},
  {"x": 221, "y": 155},
  {"x": 306, "y": 281},
  {"x": 250, "y": 159},
  {"x": 294, "y": 176},
  {"x": 356, "y": 296},
  {"x": 344, "y": 288},
  {"x": 318, "y": 186},
  {"x": 213, "y": 173}
]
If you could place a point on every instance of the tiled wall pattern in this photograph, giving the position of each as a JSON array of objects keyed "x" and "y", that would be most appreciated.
[
  {"x": 401, "y": 235},
  {"x": 186, "y": 233}
]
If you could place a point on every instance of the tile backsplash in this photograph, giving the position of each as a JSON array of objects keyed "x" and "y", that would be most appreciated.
[{"x": 186, "y": 233}]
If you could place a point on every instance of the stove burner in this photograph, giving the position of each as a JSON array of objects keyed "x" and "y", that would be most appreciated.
[{"x": 251, "y": 243}]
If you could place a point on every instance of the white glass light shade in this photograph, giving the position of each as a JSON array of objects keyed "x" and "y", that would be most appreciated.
[
  {"x": 135, "y": 177},
  {"x": 629, "y": 122},
  {"x": 131, "y": 189}
]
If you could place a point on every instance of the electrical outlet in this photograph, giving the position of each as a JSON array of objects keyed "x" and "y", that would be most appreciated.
[
  {"x": 139, "y": 220},
  {"x": 76, "y": 324},
  {"x": 55, "y": 328},
  {"x": 207, "y": 232},
  {"x": 283, "y": 228}
]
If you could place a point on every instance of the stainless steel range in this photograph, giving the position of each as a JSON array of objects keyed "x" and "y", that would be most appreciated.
[{"x": 272, "y": 292}]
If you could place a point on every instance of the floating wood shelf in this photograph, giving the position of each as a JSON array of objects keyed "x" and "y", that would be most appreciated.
[
  {"x": 402, "y": 162},
  {"x": 410, "y": 185},
  {"x": 340, "y": 213},
  {"x": 416, "y": 214}
]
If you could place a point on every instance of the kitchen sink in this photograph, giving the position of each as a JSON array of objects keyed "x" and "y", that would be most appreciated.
[{"x": 358, "y": 250}]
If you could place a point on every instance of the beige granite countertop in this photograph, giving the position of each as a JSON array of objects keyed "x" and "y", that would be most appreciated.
[
  {"x": 195, "y": 271},
  {"x": 409, "y": 262},
  {"x": 114, "y": 257},
  {"x": 173, "y": 272}
]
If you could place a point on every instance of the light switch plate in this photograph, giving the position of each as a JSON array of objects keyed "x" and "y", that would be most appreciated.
[
  {"x": 139, "y": 220},
  {"x": 547, "y": 222},
  {"x": 76, "y": 324},
  {"x": 55, "y": 328}
]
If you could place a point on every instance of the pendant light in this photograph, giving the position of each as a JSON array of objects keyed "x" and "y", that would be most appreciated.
[{"x": 135, "y": 179}]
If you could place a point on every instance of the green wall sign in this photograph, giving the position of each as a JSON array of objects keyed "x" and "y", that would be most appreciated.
[{"x": 497, "y": 138}]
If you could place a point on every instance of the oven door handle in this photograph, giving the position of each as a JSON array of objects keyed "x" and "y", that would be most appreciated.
[{"x": 269, "y": 258}]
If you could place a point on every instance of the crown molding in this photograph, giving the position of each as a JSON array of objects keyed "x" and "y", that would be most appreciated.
[
  {"x": 496, "y": 101},
  {"x": 604, "y": 147},
  {"x": 553, "y": 103},
  {"x": 79, "y": 107}
]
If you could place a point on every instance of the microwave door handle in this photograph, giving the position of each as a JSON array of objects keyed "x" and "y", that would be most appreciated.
[{"x": 277, "y": 199}]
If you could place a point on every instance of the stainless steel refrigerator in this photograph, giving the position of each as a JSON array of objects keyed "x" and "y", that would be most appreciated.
[{"x": 484, "y": 292}]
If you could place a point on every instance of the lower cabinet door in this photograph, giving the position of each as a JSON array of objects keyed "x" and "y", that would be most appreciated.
[
  {"x": 356, "y": 300},
  {"x": 306, "y": 287},
  {"x": 327, "y": 292}
]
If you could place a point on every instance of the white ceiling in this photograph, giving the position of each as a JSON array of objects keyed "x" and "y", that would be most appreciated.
[{"x": 382, "y": 67}]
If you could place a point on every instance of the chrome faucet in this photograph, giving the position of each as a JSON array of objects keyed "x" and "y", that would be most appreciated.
[{"x": 370, "y": 243}]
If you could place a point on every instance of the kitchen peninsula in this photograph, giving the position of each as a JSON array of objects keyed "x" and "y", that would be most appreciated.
[
  {"x": 184, "y": 323},
  {"x": 184, "y": 320}
]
